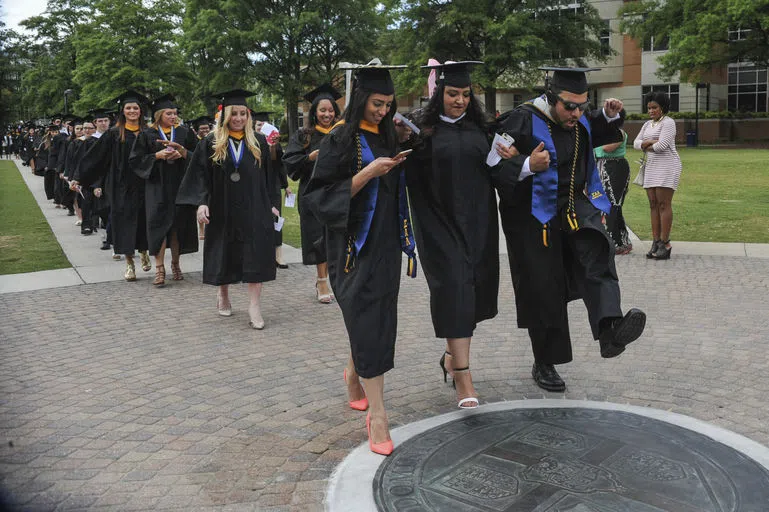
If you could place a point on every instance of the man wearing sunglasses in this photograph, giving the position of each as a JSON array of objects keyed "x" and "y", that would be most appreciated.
[{"x": 552, "y": 205}]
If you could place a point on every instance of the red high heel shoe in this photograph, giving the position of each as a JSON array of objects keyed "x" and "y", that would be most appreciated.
[
  {"x": 358, "y": 405},
  {"x": 385, "y": 448}
]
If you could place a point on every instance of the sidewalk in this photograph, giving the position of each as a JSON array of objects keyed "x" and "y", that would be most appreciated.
[{"x": 89, "y": 263}]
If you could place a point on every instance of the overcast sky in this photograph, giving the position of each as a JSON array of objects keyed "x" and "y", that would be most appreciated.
[{"x": 13, "y": 11}]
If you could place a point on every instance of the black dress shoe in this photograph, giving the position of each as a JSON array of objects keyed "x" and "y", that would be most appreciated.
[
  {"x": 105, "y": 246},
  {"x": 547, "y": 378},
  {"x": 622, "y": 332},
  {"x": 281, "y": 265}
]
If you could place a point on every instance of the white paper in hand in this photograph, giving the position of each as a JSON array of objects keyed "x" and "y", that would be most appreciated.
[
  {"x": 279, "y": 224},
  {"x": 400, "y": 117},
  {"x": 268, "y": 129},
  {"x": 493, "y": 158},
  {"x": 290, "y": 200}
]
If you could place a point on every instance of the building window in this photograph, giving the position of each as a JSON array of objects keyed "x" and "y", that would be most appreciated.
[
  {"x": 747, "y": 89},
  {"x": 739, "y": 34},
  {"x": 517, "y": 99},
  {"x": 605, "y": 39},
  {"x": 670, "y": 89},
  {"x": 654, "y": 44}
]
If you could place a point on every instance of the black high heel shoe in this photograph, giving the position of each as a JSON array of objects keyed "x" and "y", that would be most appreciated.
[
  {"x": 655, "y": 245},
  {"x": 662, "y": 252},
  {"x": 442, "y": 363}
]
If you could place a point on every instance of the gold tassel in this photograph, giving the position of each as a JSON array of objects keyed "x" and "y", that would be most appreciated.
[{"x": 544, "y": 235}]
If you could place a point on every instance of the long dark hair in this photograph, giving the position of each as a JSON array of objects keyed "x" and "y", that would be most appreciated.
[
  {"x": 429, "y": 116},
  {"x": 121, "y": 120},
  {"x": 306, "y": 133},
  {"x": 353, "y": 115}
]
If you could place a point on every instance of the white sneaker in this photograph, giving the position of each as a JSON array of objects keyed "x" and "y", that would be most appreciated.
[{"x": 78, "y": 222}]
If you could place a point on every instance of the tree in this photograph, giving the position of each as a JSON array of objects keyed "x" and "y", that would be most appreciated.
[
  {"x": 702, "y": 34},
  {"x": 296, "y": 43},
  {"x": 129, "y": 45},
  {"x": 51, "y": 52},
  {"x": 511, "y": 37},
  {"x": 11, "y": 68}
]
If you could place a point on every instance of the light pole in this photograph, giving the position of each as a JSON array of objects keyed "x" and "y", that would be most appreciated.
[{"x": 66, "y": 93}]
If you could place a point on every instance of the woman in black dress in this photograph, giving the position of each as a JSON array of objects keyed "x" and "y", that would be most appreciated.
[
  {"x": 227, "y": 180},
  {"x": 355, "y": 194},
  {"x": 108, "y": 159},
  {"x": 299, "y": 158},
  {"x": 455, "y": 218},
  {"x": 160, "y": 158}
]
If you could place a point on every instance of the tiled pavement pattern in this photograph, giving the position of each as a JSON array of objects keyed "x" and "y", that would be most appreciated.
[{"x": 118, "y": 396}]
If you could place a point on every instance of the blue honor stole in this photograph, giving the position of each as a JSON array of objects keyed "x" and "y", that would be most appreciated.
[
  {"x": 369, "y": 194},
  {"x": 544, "y": 190}
]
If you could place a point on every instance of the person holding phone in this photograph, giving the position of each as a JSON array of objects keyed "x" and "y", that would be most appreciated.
[
  {"x": 357, "y": 192},
  {"x": 455, "y": 218},
  {"x": 160, "y": 157}
]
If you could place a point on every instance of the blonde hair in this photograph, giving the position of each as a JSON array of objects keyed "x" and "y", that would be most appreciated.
[
  {"x": 156, "y": 118},
  {"x": 222, "y": 134}
]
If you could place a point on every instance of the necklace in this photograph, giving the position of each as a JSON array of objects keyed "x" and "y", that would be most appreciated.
[{"x": 658, "y": 121}]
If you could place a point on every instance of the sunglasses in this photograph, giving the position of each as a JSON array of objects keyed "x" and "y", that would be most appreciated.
[{"x": 570, "y": 105}]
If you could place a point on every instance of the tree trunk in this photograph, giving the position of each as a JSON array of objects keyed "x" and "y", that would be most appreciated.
[
  {"x": 291, "y": 113},
  {"x": 490, "y": 98}
]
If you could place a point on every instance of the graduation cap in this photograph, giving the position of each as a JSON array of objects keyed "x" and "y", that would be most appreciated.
[
  {"x": 164, "y": 102},
  {"x": 98, "y": 113},
  {"x": 57, "y": 115},
  {"x": 198, "y": 121},
  {"x": 567, "y": 79},
  {"x": 374, "y": 76},
  {"x": 455, "y": 74},
  {"x": 233, "y": 97},
  {"x": 325, "y": 91},
  {"x": 131, "y": 96},
  {"x": 53, "y": 127},
  {"x": 263, "y": 115},
  {"x": 75, "y": 120}
]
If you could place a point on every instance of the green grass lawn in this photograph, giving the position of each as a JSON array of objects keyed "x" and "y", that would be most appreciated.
[
  {"x": 723, "y": 196},
  {"x": 27, "y": 243},
  {"x": 291, "y": 235}
]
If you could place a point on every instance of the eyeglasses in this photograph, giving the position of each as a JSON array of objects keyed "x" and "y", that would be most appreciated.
[{"x": 570, "y": 105}]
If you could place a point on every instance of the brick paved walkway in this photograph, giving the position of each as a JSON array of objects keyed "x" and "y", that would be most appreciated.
[{"x": 159, "y": 404}]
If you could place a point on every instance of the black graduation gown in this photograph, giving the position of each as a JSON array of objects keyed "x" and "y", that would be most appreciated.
[
  {"x": 299, "y": 168},
  {"x": 161, "y": 184},
  {"x": 108, "y": 159},
  {"x": 41, "y": 162},
  {"x": 278, "y": 182},
  {"x": 575, "y": 264},
  {"x": 453, "y": 205},
  {"x": 239, "y": 239},
  {"x": 367, "y": 294}
]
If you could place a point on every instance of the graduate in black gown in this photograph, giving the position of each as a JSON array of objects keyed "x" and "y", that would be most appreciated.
[
  {"x": 74, "y": 144},
  {"x": 357, "y": 191},
  {"x": 84, "y": 196},
  {"x": 160, "y": 157},
  {"x": 552, "y": 207},
  {"x": 100, "y": 200},
  {"x": 227, "y": 180},
  {"x": 108, "y": 158},
  {"x": 278, "y": 178},
  {"x": 299, "y": 158},
  {"x": 455, "y": 218},
  {"x": 202, "y": 126}
]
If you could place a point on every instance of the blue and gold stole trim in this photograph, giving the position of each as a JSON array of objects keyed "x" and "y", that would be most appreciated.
[
  {"x": 356, "y": 242},
  {"x": 544, "y": 191}
]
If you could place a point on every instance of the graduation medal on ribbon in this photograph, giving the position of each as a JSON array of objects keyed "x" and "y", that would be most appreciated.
[{"x": 237, "y": 156}]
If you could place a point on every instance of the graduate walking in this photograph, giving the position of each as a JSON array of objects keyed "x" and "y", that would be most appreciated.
[
  {"x": 552, "y": 208},
  {"x": 227, "y": 181},
  {"x": 299, "y": 158},
  {"x": 455, "y": 218},
  {"x": 358, "y": 193},
  {"x": 160, "y": 157},
  {"x": 108, "y": 159}
]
